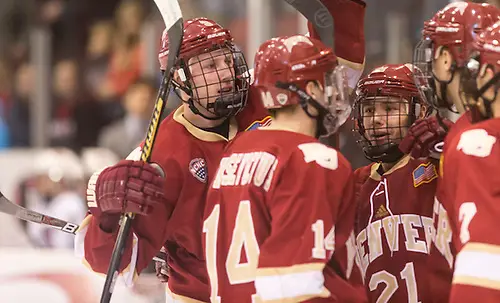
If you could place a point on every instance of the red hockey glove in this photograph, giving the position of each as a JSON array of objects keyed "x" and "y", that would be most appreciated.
[
  {"x": 161, "y": 266},
  {"x": 425, "y": 136},
  {"x": 128, "y": 186}
]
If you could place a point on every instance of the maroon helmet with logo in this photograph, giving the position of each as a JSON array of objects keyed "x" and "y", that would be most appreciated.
[
  {"x": 212, "y": 71},
  {"x": 387, "y": 103},
  {"x": 485, "y": 54},
  {"x": 284, "y": 66},
  {"x": 453, "y": 28}
]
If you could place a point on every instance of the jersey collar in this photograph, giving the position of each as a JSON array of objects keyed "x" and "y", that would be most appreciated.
[
  {"x": 202, "y": 134},
  {"x": 374, "y": 168}
]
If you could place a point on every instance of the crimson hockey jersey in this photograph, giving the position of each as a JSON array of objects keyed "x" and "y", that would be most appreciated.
[
  {"x": 278, "y": 222},
  {"x": 471, "y": 184},
  {"x": 441, "y": 274},
  {"x": 189, "y": 157},
  {"x": 394, "y": 230}
]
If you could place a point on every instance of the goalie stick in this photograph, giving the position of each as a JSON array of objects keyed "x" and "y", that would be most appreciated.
[
  {"x": 11, "y": 208},
  {"x": 172, "y": 16}
]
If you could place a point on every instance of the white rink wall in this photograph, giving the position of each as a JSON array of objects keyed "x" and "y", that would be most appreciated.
[{"x": 57, "y": 276}]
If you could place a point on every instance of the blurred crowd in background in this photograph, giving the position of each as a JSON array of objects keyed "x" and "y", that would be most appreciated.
[{"x": 103, "y": 82}]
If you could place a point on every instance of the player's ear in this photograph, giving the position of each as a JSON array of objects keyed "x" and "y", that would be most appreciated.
[
  {"x": 423, "y": 111},
  {"x": 314, "y": 89},
  {"x": 445, "y": 57}
]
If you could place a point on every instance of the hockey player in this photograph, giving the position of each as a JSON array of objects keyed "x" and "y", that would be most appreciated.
[
  {"x": 471, "y": 180},
  {"x": 188, "y": 142},
  {"x": 279, "y": 213},
  {"x": 395, "y": 194},
  {"x": 441, "y": 56},
  {"x": 442, "y": 53},
  {"x": 212, "y": 80}
]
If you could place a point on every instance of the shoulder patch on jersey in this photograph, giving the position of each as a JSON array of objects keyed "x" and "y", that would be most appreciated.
[
  {"x": 256, "y": 124},
  {"x": 198, "y": 169},
  {"x": 424, "y": 173},
  {"x": 476, "y": 142},
  {"x": 323, "y": 155}
]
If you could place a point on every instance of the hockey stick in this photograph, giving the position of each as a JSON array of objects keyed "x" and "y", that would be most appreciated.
[
  {"x": 317, "y": 13},
  {"x": 172, "y": 16},
  {"x": 11, "y": 208}
]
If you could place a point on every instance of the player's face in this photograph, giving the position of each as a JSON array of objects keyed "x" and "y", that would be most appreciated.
[
  {"x": 385, "y": 119},
  {"x": 485, "y": 75},
  {"x": 478, "y": 88},
  {"x": 212, "y": 76}
]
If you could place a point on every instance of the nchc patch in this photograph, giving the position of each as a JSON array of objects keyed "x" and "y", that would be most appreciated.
[
  {"x": 424, "y": 173},
  {"x": 198, "y": 168}
]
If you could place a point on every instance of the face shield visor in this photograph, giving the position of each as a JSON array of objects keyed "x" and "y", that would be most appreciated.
[{"x": 335, "y": 103}]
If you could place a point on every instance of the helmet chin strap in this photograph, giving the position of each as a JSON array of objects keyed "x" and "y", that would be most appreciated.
[
  {"x": 220, "y": 115},
  {"x": 488, "y": 102},
  {"x": 390, "y": 154},
  {"x": 196, "y": 111},
  {"x": 306, "y": 99},
  {"x": 187, "y": 90},
  {"x": 442, "y": 101}
]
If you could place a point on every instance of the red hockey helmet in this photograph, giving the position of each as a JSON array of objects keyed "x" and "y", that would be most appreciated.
[
  {"x": 387, "y": 103},
  {"x": 454, "y": 28},
  {"x": 220, "y": 89},
  {"x": 486, "y": 53},
  {"x": 201, "y": 35},
  {"x": 284, "y": 66}
]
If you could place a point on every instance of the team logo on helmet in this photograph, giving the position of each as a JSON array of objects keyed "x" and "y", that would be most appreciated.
[
  {"x": 282, "y": 98},
  {"x": 198, "y": 168}
]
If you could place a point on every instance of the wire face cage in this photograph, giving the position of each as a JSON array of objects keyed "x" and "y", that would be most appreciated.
[{"x": 216, "y": 81}]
